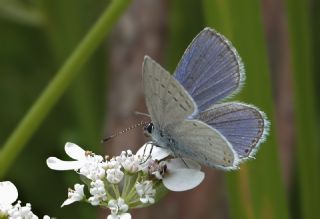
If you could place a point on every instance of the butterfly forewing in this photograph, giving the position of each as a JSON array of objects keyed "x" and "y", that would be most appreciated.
[
  {"x": 244, "y": 126},
  {"x": 200, "y": 142},
  {"x": 210, "y": 69},
  {"x": 166, "y": 100}
]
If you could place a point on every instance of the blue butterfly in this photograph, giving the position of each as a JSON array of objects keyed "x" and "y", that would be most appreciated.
[{"x": 186, "y": 112}]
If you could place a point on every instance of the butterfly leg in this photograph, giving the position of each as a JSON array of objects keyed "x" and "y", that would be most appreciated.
[
  {"x": 144, "y": 150},
  {"x": 150, "y": 152},
  {"x": 179, "y": 156},
  {"x": 185, "y": 163}
]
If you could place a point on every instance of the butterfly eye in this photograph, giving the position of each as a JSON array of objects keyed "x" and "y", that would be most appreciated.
[{"x": 148, "y": 129}]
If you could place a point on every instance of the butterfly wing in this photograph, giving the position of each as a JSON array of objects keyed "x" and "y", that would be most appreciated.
[
  {"x": 204, "y": 144},
  {"x": 167, "y": 101},
  {"x": 244, "y": 126},
  {"x": 169, "y": 105},
  {"x": 210, "y": 69}
]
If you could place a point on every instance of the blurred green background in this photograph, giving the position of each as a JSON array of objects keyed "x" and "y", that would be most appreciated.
[{"x": 278, "y": 42}]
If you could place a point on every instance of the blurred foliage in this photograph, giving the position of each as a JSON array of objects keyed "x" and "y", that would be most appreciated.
[
  {"x": 181, "y": 32},
  {"x": 38, "y": 35},
  {"x": 307, "y": 150},
  {"x": 256, "y": 190},
  {"x": 29, "y": 55}
]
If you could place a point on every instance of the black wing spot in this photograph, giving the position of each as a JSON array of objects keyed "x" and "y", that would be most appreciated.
[
  {"x": 182, "y": 107},
  {"x": 175, "y": 99},
  {"x": 162, "y": 85},
  {"x": 254, "y": 141},
  {"x": 188, "y": 104}
]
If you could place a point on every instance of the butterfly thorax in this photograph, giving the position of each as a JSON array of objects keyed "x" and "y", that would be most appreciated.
[{"x": 159, "y": 137}]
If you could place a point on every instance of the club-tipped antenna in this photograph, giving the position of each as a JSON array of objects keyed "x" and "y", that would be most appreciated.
[{"x": 124, "y": 131}]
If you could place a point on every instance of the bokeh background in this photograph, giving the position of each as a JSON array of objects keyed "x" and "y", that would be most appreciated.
[{"x": 279, "y": 42}]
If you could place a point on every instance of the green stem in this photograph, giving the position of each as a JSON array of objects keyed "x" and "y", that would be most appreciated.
[
  {"x": 58, "y": 85},
  {"x": 132, "y": 192},
  {"x": 127, "y": 182},
  {"x": 115, "y": 190},
  {"x": 135, "y": 203},
  {"x": 109, "y": 196}
]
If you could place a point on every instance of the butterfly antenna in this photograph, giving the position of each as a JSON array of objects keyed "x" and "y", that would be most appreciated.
[
  {"x": 124, "y": 131},
  {"x": 141, "y": 114}
]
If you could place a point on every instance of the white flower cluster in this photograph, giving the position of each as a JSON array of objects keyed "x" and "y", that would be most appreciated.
[
  {"x": 128, "y": 180},
  {"x": 8, "y": 195}
]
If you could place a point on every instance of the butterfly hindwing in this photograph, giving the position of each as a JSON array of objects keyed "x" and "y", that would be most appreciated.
[
  {"x": 210, "y": 69},
  {"x": 204, "y": 144},
  {"x": 244, "y": 126}
]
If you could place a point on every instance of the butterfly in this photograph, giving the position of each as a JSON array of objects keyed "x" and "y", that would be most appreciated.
[{"x": 187, "y": 116}]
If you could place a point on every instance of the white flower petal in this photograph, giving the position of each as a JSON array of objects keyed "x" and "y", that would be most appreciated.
[
  {"x": 57, "y": 164},
  {"x": 19, "y": 211},
  {"x": 125, "y": 216},
  {"x": 180, "y": 163},
  {"x": 156, "y": 154},
  {"x": 114, "y": 176},
  {"x": 74, "y": 151},
  {"x": 98, "y": 192},
  {"x": 120, "y": 216},
  {"x": 145, "y": 191},
  {"x": 182, "y": 179},
  {"x": 74, "y": 195},
  {"x": 68, "y": 202},
  {"x": 8, "y": 192}
]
